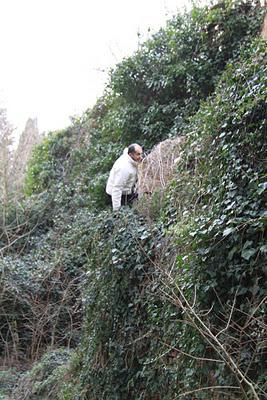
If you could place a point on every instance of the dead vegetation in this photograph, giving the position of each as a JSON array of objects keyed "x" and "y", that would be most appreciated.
[{"x": 158, "y": 167}]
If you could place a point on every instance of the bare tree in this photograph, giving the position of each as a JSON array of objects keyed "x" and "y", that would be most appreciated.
[
  {"x": 29, "y": 138},
  {"x": 6, "y": 139}
]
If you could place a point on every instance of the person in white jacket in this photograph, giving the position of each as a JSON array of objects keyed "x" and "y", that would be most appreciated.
[{"x": 123, "y": 177}]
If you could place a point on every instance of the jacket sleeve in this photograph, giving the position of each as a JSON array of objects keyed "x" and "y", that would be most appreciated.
[{"x": 118, "y": 186}]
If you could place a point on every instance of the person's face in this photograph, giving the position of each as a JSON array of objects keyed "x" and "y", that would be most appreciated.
[{"x": 137, "y": 155}]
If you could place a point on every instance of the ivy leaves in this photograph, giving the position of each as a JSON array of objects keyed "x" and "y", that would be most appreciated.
[{"x": 222, "y": 172}]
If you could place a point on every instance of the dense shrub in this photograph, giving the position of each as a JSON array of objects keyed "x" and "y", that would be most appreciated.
[
  {"x": 174, "y": 308},
  {"x": 124, "y": 333},
  {"x": 41, "y": 382},
  {"x": 163, "y": 83},
  {"x": 221, "y": 228},
  {"x": 149, "y": 97}
]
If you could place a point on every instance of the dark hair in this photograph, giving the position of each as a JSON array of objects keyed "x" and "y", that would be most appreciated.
[{"x": 132, "y": 148}]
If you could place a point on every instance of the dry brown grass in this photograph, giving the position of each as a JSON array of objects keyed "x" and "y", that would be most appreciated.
[
  {"x": 264, "y": 28},
  {"x": 158, "y": 167},
  {"x": 155, "y": 172}
]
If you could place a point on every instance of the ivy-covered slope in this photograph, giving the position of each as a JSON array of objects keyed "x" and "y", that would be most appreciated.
[
  {"x": 180, "y": 307},
  {"x": 149, "y": 97},
  {"x": 170, "y": 308}
]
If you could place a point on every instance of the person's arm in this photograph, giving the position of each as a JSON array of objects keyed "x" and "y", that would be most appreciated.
[{"x": 118, "y": 186}]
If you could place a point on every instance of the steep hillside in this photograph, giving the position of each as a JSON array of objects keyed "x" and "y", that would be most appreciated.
[
  {"x": 126, "y": 307},
  {"x": 189, "y": 291}
]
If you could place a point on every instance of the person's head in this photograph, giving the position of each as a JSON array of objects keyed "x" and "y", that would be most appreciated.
[{"x": 135, "y": 151}]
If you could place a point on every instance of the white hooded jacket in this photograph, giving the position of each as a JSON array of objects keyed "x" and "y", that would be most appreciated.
[{"x": 122, "y": 178}]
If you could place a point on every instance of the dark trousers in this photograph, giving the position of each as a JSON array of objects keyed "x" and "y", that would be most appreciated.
[{"x": 126, "y": 199}]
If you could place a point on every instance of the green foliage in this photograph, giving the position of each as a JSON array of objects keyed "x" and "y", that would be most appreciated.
[
  {"x": 41, "y": 289},
  {"x": 40, "y": 168},
  {"x": 41, "y": 382},
  {"x": 208, "y": 238},
  {"x": 150, "y": 96},
  {"x": 8, "y": 379},
  {"x": 222, "y": 229},
  {"x": 178, "y": 67},
  {"x": 135, "y": 343},
  {"x": 39, "y": 306},
  {"x": 116, "y": 308}
]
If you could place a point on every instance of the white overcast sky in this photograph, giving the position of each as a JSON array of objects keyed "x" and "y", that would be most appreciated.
[{"x": 54, "y": 52}]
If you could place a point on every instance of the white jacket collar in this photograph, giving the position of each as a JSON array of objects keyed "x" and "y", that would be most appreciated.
[{"x": 129, "y": 158}]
